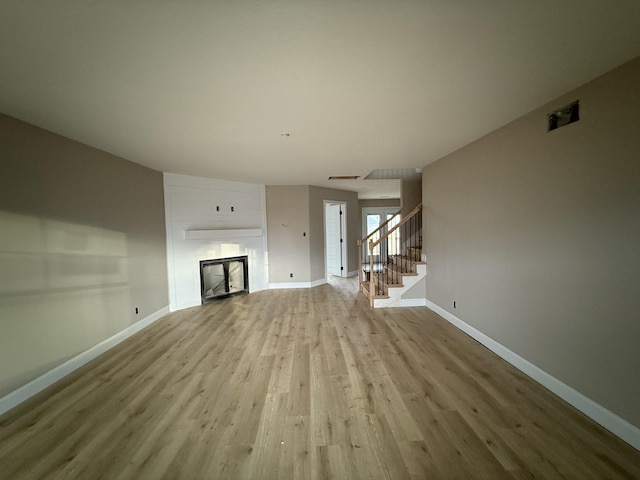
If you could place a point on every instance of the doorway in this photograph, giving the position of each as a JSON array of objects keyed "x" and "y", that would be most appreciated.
[
  {"x": 335, "y": 241},
  {"x": 372, "y": 218}
]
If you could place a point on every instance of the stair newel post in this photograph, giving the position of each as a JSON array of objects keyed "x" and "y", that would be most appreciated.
[
  {"x": 397, "y": 267},
  {"x": 371, "y": 292},
  {"x": 389, "y": 259},
  {"x": 360, "y": 281},
  {"x": 411, "y": 234},
  {"x": 385, "y": 281},
  {"x": 405, "y": 236},
  {"x": 384, "y": 264},
  {"x": 419, "y": 232},
  {"x": 394, "y": 264},
  {"x": 409, "y": 237},
  {"x": 412, "y": 228},
  {"x": 404, "y": 247},
  {"x": 415, "y": 239}
]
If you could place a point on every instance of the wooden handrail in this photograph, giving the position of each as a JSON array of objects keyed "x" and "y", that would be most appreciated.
[{"x": 410, "y": 215}]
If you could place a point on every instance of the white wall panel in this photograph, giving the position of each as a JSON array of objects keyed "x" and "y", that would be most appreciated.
[{"x": 190, "y": 204}]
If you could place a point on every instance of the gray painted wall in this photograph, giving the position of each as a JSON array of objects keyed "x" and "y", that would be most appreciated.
[
  {"x": 536, "y": 235},
  {"x": 317, "y": 196},
  {"x": 82, "y": 243},
  {"x": 294, "y": 210},
  {"x": 379, "y": 202},
  {"x": 287, "y": 221},
  {"x": 411, "y": 195}
]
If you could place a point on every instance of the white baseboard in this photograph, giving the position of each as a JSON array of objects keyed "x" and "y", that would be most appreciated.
[
  {"x": 315, "y": 283},
  {"x": 413, "y": 302},
  {"x": 609, "y": 420},
  {"x": 182, "y": 306},
  {"x": 36, "y": 385}
]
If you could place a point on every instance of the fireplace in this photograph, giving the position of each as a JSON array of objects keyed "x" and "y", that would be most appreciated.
[{"x": 223, "y": 277}]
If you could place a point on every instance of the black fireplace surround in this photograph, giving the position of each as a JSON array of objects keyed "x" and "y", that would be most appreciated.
[{"x": 223, "y": 277}]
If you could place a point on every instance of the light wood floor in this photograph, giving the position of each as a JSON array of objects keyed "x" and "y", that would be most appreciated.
[{"x": 297, "y": 384}]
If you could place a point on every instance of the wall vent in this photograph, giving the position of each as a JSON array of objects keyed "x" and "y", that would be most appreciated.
[{"x": 564, "y": 116}]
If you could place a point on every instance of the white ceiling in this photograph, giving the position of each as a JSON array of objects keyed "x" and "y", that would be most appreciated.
[{"x": 207, "y": 87}]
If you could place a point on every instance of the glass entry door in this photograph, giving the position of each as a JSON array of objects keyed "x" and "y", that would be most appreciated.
[
  {"x": 373, "y": 221},
  {"x": 372, "y": 218}
]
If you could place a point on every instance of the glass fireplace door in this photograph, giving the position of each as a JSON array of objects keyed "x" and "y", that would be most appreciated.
[
  {"x": 236, "y": 276},
  {"x": 213, "y": 277},
  {"x": 223, "y": 277}
]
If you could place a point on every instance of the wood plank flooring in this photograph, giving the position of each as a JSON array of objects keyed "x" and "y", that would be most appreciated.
[{"x": 304, "y": 384}]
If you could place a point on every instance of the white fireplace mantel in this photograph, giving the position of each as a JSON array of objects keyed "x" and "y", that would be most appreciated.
[{"x": 219, "y": 234}]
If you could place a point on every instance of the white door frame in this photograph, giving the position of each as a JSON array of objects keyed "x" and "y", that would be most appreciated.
[{"x": 343, "y": 233}]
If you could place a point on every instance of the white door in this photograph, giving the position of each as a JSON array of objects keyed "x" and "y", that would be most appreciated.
[{"x": 334, "y": 241}]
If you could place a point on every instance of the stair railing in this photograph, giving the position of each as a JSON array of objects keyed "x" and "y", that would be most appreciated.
[
  {"x": 363, "y": 244},
  {"x": 407, "y": 234}
]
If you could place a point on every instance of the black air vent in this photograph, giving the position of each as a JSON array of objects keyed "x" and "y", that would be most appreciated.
[{"x": 564, "y": 116}]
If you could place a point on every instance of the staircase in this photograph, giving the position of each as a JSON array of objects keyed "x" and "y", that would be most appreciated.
[{"x": 390, "y": 259}]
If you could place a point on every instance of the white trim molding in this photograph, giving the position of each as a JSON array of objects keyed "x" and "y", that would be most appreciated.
[
  {"x": 315, "y": 283},
  {"x": 413, "y": 302},
  {"x": 218, "y": 234},
  {"x": 607, "y": 419},
  {"x": 47, "y": 379}
]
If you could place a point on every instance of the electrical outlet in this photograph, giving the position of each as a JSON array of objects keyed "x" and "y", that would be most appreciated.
[
  {"x": 291, "y": 275},
  {"x": 454, "y": 304},
  {"x": 136, "y": 310}
]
